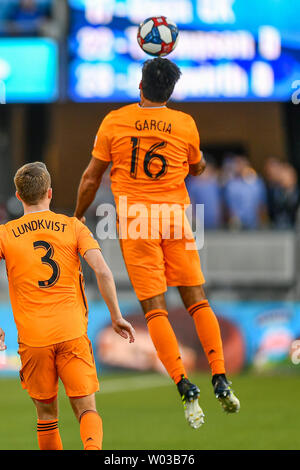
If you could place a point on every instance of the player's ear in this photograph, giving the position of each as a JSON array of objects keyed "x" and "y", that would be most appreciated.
[
  {"x": 141, "y": 91},
  {"x": 18, "y": 197},
  {"x": 141, "y": 87},
  {"x": 50, "y": 193}
]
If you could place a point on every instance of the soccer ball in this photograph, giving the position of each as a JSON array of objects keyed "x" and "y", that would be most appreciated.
[{"x": 157, "y": 36}]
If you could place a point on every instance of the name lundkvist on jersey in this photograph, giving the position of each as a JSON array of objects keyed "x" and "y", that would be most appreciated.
[{"x": 39, "y": 224}]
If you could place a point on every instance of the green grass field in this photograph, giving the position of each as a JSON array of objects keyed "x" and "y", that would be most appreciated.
[{"x": 145, "y": 412}]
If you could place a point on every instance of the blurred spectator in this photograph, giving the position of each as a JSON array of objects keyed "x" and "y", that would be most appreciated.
[
  {"x": 27, "y": 17},
  {"x": 33, "y": 18},
  {"x": 228, "y": 168},
  {"x": 283, "y": 193},
  {"x": 272, "y": 173},
  {"x": 244, "y": 196},
  {"x": 205, "y": 189}
]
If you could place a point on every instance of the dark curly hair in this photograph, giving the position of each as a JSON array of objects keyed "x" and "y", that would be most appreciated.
[{"x": 159, "y": 77}]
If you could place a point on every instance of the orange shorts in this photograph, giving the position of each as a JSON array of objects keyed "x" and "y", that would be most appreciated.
[
  {"x": 162, "y": 260},
  {"x": 71, "y": 361}
]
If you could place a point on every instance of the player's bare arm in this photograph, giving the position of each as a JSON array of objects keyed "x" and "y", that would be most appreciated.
[
  {"x": 89, "y": 184},
  {"x": 196, "y": 169},
  {"x": 108, "y": 291}
]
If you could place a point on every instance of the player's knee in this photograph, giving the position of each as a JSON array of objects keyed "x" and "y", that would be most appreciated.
[
  {"x": 192, "y": 294},
  {"x": 154, "y": 303},
  {"x": 46, "y": 409},
  {"x": 48, "y": 401}
]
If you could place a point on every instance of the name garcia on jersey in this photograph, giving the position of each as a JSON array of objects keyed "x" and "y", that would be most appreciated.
[
  {"x": 153, "y": 125},
  {"x": 37, "y": 225}
]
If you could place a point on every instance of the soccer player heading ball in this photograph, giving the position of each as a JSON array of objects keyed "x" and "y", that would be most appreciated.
[{"x": 152, "y": 148}]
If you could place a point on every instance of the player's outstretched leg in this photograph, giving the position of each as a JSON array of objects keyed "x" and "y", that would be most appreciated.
[
  {"x": 208, "y": 331},
  {"x": 166, "y": 345}
]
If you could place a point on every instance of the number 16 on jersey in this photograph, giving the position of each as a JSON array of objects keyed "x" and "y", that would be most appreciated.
[{"x": 150, "y": 155}]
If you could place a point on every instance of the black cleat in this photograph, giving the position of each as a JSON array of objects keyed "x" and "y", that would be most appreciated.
[
  {"x": 189, "y": 395},
  {"x": 229, "y": 402}
]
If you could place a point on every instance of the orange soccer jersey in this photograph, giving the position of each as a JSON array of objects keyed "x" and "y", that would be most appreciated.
[
  {"x": 41, "y": 252},
  {"x": 150, "y": 150}
]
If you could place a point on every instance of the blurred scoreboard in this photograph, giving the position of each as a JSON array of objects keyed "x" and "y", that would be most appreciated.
[
  {"x": 28, "y": 70},
  {"x": 29, "y": 63},
  {"x": 233, "y": 50}
]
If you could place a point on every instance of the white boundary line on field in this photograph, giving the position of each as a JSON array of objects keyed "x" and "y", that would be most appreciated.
[{"x": 133, "y": 383}]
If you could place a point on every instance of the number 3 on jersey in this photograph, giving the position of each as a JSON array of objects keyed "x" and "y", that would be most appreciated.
[
  {"x": 148, "y": 159},
  {"x": 47, "y": 259}
]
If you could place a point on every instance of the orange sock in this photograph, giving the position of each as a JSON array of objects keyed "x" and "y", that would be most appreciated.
[
  {"x": 48, "y": 435},
  {"x": 208, "y": 330},
  {"x": 91, "y": 431},
  {"x": 165, "y": 343}
]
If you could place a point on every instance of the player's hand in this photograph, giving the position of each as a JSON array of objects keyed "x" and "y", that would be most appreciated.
[
  {"x": 2, "y": 339},
  {"x": 124, "y": 329}
]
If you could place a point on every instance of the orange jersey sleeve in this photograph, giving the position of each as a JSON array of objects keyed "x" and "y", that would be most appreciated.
[
  {"x": 102, "y": 145},
  {"x": 85, "y": 238}
]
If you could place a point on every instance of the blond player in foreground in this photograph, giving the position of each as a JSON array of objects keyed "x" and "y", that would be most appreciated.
[{"x": 41, "y": 251}]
